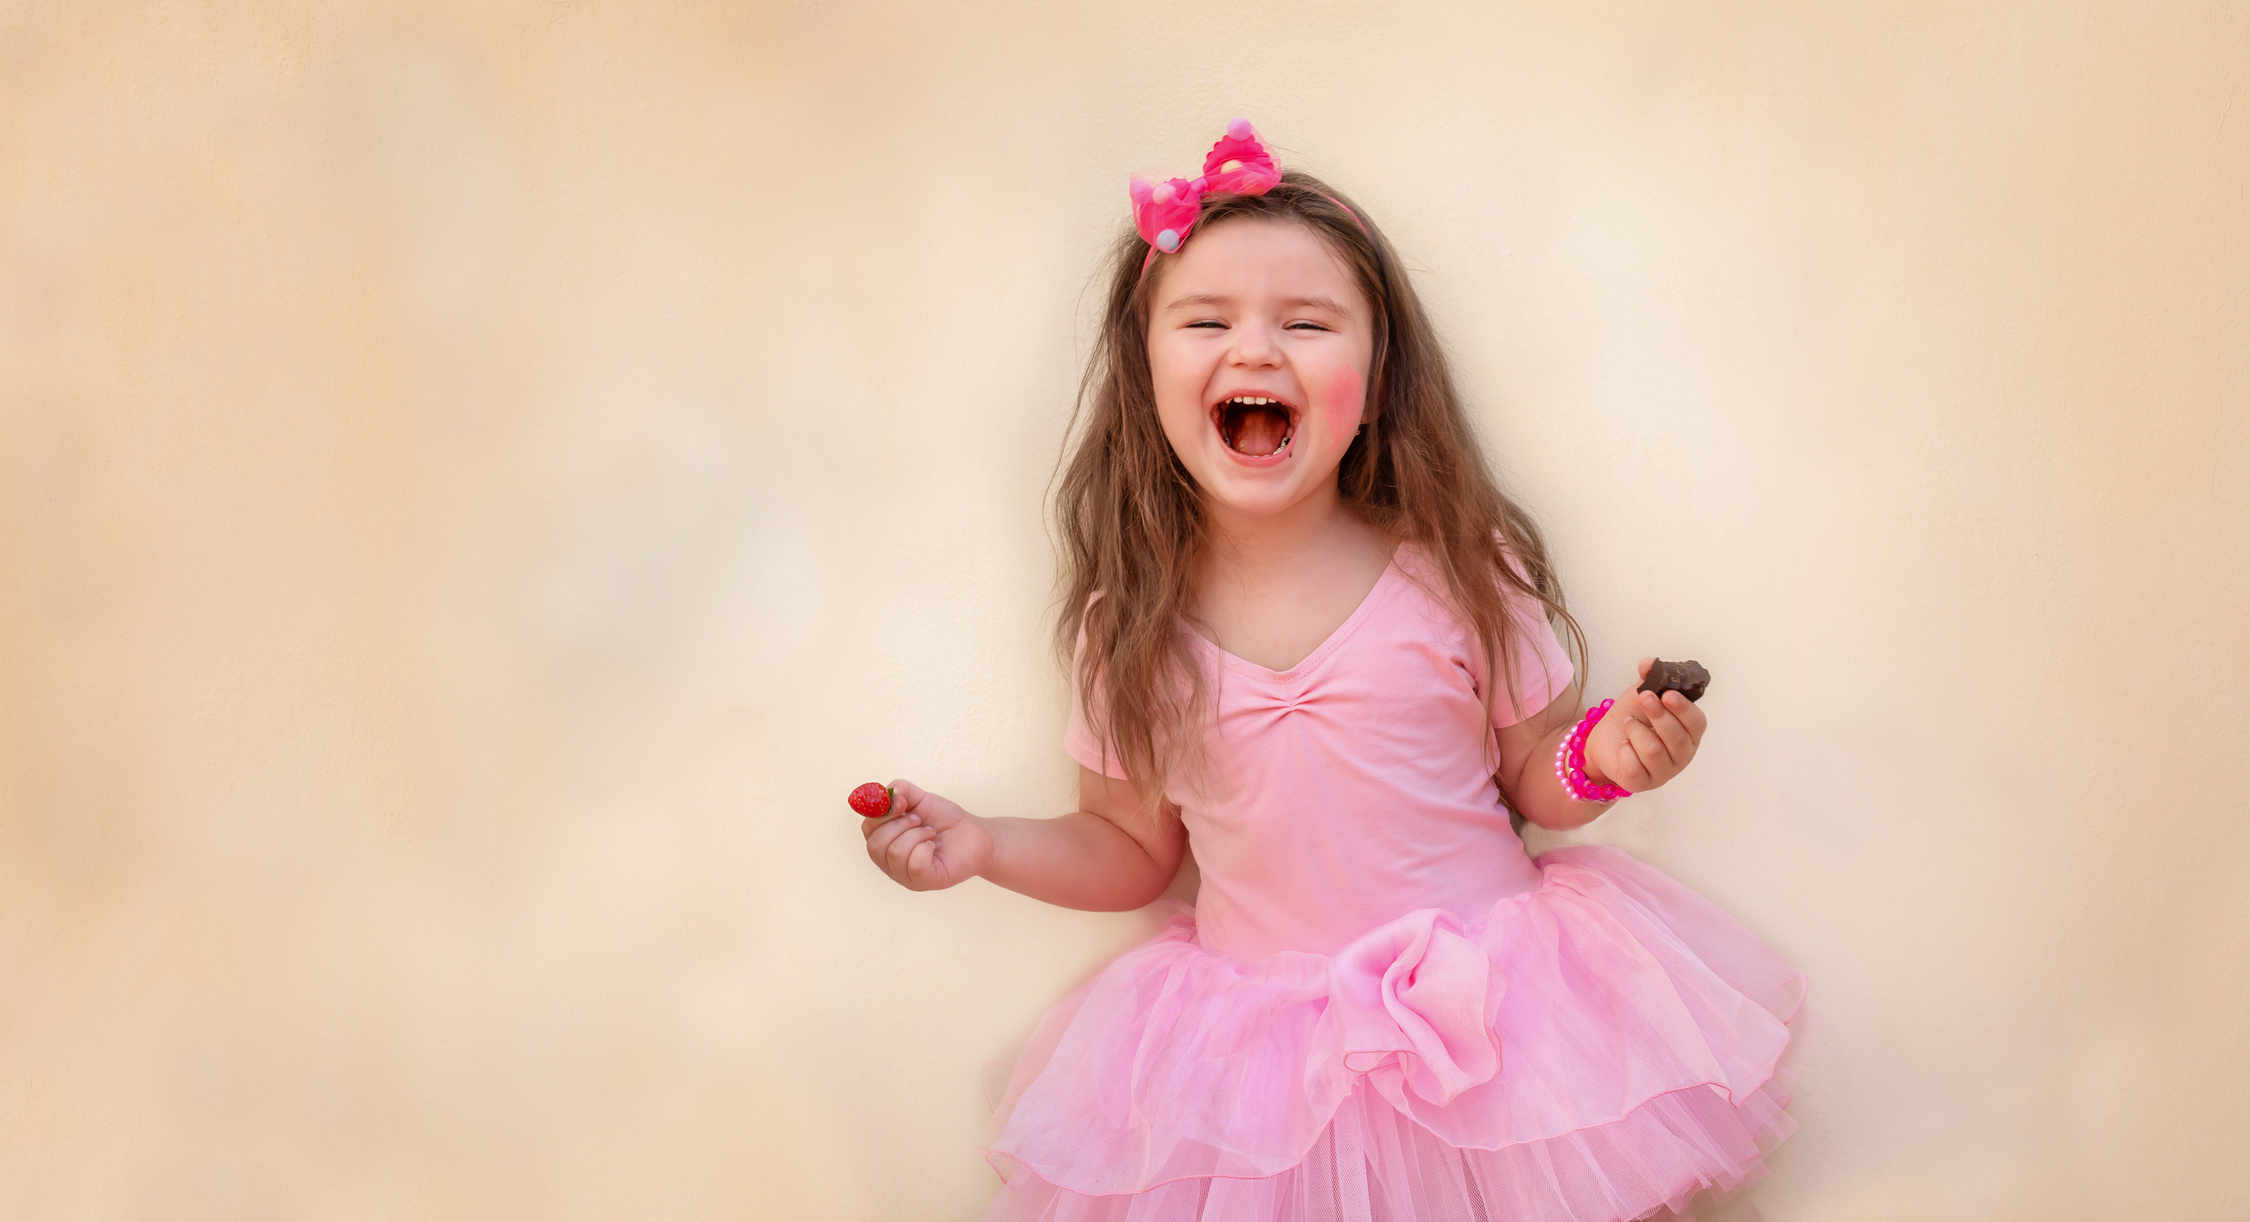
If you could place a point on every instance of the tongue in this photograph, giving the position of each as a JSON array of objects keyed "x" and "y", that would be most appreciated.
[{"x": 1261, "y": 430}]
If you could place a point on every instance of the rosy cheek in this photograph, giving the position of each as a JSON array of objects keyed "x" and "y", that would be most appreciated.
[{"x": 1347, "y": 398}]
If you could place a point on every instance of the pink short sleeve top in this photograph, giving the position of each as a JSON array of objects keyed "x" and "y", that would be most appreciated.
[{"x": 1357, "y": 785}]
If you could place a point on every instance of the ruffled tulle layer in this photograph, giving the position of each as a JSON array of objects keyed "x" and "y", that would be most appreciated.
[
  {"x": 1597, "y": 1048},
  {"x": 1374, "y": 1165}
]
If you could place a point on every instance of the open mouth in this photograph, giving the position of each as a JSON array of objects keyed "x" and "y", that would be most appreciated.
[{"x": 1255, "y": 425}]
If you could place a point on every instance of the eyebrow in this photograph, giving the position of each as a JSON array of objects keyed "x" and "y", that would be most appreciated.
[{"x": 1316, "y": 301}]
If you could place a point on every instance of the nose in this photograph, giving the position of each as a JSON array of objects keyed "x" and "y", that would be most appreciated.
[{"x": 1254, "y": 345}]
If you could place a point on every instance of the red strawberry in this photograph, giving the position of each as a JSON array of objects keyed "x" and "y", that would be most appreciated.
[{"x": 872, "y": 800}]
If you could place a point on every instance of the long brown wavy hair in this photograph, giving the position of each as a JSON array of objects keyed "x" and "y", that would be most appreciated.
[{"x": 1131, "y": 521}]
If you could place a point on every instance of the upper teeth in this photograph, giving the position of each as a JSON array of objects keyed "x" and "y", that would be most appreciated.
[{"x": 1252, "y": 400}]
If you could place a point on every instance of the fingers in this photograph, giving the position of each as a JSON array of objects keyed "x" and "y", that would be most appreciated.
[
  {"x": 884, "y": 833},
  {"x": 1610, "y": 753},
  {"x": 1689, "y": 715},
  {"x": 1650, "y": 760},
  {"x": 1678, "y": 745},
  {"x": 1660, "y": 735},
  {"x": 1652, "y": 706},
  {"x": 905, "y": 796},
  {"x": 881, "y": 832},
  {"x": 920, "y": 804},
  {"x": 1626, "y": 769},
  {"x": 896, "y": 853},
  {"x": 927, "y": 859},
  {"x": 870, "y": 827},
  {"x": 1629, "y": 700},
  {"x": 921, "y": 866}
]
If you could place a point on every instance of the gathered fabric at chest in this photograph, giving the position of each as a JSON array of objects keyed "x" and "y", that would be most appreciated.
[{"x": 1357, "y": 785}]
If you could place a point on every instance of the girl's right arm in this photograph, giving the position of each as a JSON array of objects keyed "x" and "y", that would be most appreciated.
[{"x": 1108, "y": 856}]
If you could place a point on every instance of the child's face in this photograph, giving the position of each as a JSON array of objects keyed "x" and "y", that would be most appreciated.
[{"x": 1259, "y": 309}]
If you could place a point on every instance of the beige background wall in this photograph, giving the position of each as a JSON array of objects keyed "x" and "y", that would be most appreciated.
[{"x": 478, "y": 483}]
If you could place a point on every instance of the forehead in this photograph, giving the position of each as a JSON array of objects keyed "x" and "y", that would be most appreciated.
[{"x": 1253, "y": 258}]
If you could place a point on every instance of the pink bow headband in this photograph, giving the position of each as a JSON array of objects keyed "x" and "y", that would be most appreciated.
[{"x": 1237, "y": 165}]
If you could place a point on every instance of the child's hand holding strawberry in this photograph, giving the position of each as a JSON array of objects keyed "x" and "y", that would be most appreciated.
[{"x": 926, "y": 843}]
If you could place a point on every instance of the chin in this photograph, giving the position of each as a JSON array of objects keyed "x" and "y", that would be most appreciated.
[{"x": 1256, "y": 499}]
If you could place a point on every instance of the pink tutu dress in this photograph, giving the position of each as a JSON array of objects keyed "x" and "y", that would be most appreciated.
[{"x": 1380, "y": 1007}]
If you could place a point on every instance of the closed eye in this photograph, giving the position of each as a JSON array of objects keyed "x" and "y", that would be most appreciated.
[{"x": 1295, "y": 326}]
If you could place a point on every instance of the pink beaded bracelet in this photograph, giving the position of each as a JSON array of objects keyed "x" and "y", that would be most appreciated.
[{"x": 1570, "y": 762}]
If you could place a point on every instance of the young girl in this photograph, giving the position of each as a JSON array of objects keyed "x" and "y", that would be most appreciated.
[{"x": 1313, "y": 640}]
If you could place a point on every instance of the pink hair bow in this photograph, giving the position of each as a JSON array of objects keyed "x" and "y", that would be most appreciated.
[{"x": 1237, "y": 165}]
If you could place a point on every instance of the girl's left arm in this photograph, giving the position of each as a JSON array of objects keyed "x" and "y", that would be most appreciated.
[{"x": 1640, "y": 744}]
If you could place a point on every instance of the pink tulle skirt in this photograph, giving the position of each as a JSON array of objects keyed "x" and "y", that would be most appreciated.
[{"x": 1598, "y": 1049}]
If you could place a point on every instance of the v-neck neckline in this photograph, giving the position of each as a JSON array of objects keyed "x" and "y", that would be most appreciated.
[{"x": 1321, "y": 651}]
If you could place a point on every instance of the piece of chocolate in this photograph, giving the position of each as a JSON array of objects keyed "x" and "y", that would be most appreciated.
[{"x": 1687, "y": 678}]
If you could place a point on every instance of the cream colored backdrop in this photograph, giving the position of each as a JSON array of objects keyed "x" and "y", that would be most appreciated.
[{"x": 479, "y": 483}]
